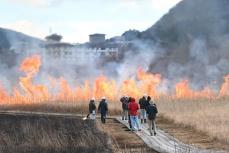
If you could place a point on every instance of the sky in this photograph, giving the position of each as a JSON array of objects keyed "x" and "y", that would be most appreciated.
[{"x": 76, "y": 19}]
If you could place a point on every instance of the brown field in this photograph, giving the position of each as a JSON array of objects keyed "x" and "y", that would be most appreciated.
[
  {"x": 204, "y": 123},
  {"x": 50, "y": 134},
  {"x": 58, "y": 133},
  {"x": 210, "y": 117},
  {"x": 59, "y": 107}
]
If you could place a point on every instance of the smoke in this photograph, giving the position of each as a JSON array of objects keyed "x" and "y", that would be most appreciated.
[
  {"x": 193, "y": 37},
  {"x": 189, "y": 43}
]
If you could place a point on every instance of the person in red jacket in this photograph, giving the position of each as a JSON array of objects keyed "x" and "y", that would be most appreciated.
[{"x": 133, "y": 109}]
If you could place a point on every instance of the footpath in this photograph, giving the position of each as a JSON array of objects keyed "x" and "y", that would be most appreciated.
[{"x": 164, "y": 143}]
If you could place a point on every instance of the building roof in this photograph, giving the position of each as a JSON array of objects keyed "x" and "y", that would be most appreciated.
[
  {"x": 97, "y": 34},
  {"x": 54, "y": 37}
]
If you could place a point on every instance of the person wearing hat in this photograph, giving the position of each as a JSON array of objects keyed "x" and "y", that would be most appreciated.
[
  {"x": 143, "y": 102},
  {"x": 92, "y": 109},
  {"x": 152, "y": 111},
  {"x": 103, "y": 109}
]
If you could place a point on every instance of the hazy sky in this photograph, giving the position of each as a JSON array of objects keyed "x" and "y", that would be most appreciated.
[{"x": 76, "y": 19}]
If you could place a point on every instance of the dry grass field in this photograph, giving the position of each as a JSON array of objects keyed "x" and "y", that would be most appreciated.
[
  {"x": 22, "y": 132},
  {"x": 50, "y": 134},
  {"x": 59, "y": 107},
  {"x": 209, "y": 116}
]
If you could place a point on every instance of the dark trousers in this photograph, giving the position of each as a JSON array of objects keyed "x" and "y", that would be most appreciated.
[
  {"x": 129, "y": 121},
  {"x": 103, "y": 118}
]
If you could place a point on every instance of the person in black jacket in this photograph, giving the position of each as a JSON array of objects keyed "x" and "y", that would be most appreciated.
[
  {"x": 152, "y": 112},
  {"x": 125, "y": 101},
  {"x": 143, "y": 102},
  {"x": 103, "y": 109},
  {"x": 129, "y": 121},
  {"x": 92, "y": 109}
]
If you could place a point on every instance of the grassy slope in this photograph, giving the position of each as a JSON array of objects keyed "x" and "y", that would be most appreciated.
[{"x": 34, "y": 134}]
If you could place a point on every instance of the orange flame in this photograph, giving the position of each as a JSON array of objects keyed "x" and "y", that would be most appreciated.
[
  {"x": 149, "y": 82},
  {"x": 31, "y": 66},
  {"x": 183, "y": 90},
  {"x": 4, "y": 97},
  {"x": 144, "y": 83},
  {"x": 224, "y": 91}
]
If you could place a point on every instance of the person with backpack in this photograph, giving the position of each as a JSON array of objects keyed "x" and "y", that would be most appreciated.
[
  {"x": 92, "y": 109},
  {"x": 143, "y": 102},
  {"x": 133, "y": 109},
  {"x": 152, "y": 111},
  {"x": 103, "y": 109},
  {"x": 124, "y": 100}
]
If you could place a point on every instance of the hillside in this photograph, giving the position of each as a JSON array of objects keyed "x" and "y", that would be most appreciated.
[
  {"x": 193, "y": 40},
  {"x": 12, "y": 43},
  {"x": 191, "y": 19},
  {"x": 9, "y": 37}
]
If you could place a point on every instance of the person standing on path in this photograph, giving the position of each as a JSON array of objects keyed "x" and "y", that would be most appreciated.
[
  {"x": 92, "y": 109},
  {"x": 143, "y": 102},
  {"x": 124, "y": 101},
  {"x": 152, "y": 112},
  {"x": 103, "y": 109},
  {"x": 129, "y": 121},
  {"x": 133, "y": 108}
]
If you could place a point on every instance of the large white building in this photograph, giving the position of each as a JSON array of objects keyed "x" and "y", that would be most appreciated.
[{"x": 55, "y": 49}]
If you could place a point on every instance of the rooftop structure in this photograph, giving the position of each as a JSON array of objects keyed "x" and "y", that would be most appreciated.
[
  {"x": 54, "y": 38},
  {"x": 96, "y": 38}
]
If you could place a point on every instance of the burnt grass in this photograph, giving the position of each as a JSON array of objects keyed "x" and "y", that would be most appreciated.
[{"x": 50, "y": 134}]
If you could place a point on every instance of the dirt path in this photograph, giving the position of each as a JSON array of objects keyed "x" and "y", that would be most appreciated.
[{"x": 125, "y": 140}]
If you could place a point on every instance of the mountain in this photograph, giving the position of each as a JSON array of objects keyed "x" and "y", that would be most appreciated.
[
  {"x": 131, "y": 35},
  {"x": 13, "y": 43},
  {"x": 191, "y": 19},
  {"x": 193, "y": 38}
]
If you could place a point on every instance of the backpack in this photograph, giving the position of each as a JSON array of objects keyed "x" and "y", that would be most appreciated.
[
  {"x": 151, "y": 111},
  {"x": 125, "y": 105}
]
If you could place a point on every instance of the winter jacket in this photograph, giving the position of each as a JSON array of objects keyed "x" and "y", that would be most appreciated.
[
  {"x": 152, "y": 111},
  {"x": 92, "y": 106},
  {"x": 125, "y": 102},
  {"x": 143, "y": 102},
  {"x": 133, "y": 107},
  {"x": 103, "y": 107}
]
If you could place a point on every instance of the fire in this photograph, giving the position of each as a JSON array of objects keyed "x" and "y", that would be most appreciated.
[
  {"x": 144, "y": 82},
  {"x": 224, "y": 91},
  {"x": 183, "y": 90},
  {"x": 149, "y": 82},
  {"x": 30, "y": 66},
  {"x": 3, "y": 95}
]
